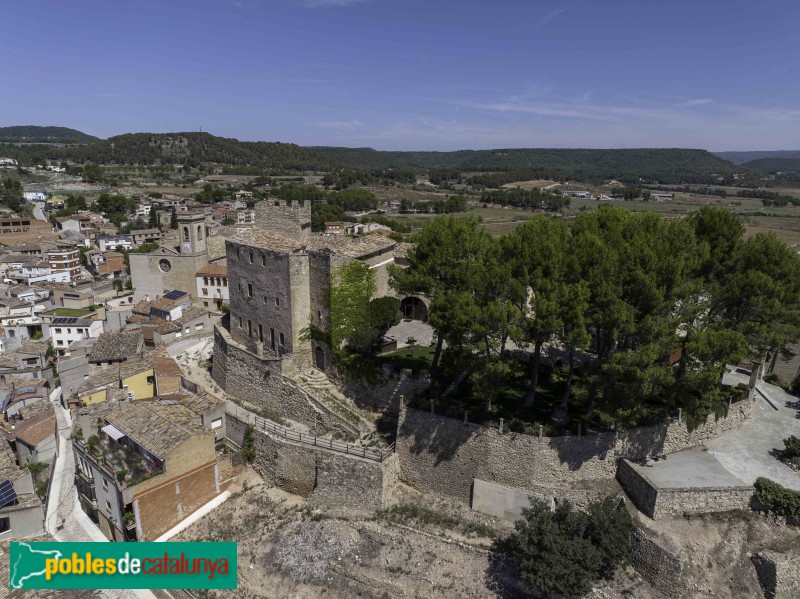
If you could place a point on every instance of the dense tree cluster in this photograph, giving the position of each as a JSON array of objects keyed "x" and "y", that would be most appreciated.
[
  {"x": 658, "y": 306},
  {"x": 535, "y": 199},
  {"x": 455, "y": 203},
  {"x": 565, "y": 551}
]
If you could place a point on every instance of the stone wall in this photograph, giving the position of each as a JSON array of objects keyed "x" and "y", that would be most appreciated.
[
  {"x": 334, "y": 483},
  {"x": 778, "y": 573},
  {"x": 290, "y": 219},
  {"x": 260, "y": 381},
  {"x": 659, "y": 564},
  {"x": 444, "y": 456},
  {"x": 657, "y": 502}
]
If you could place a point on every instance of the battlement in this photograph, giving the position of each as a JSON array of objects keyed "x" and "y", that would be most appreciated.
[{"x": 287, "y": 218}]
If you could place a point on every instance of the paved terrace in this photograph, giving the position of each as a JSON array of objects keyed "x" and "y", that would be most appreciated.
[{"x": 740, "y": 456}]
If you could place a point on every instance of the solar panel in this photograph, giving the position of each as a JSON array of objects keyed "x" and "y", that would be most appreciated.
[
  {"x": 7, "y": 493},
  {"x": 174, "y": 294},
  {"x": 62, "y": 320}
]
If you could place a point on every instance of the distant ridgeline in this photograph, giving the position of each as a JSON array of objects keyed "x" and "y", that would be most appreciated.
[
  {"x": 662, "y": 165},
  {"x": 489, "y": 168},
  {"x": 47, "y": 135}
]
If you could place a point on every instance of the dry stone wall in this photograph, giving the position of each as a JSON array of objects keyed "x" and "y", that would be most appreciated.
[
  {"x": 337, "y": 484},
  {"x": 659, "y": 564},
  {"x": 778, "y": 573},
  {"x": 444, "y": 456}
]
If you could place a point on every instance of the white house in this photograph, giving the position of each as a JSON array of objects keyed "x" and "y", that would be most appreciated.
[
  {"x": 66, "y": 329},
  {"x": 212, "y": 286},
  {"x": 114, "y": 242}
]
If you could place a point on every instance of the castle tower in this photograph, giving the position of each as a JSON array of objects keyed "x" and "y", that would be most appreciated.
[
  {"x": 192, "y": 231},
  {"x": 290, "y": 219}
]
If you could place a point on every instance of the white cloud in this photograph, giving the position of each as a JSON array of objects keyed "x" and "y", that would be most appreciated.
[
  {"x": 328, "y": 3},
  {"x": 341, "y": 125}
]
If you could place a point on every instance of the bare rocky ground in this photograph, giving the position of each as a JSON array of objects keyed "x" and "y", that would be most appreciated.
[{"x": 426, "y": 547}]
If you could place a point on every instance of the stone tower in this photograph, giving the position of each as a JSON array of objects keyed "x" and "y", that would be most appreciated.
[
  {"x": 192, "y": 231},
  {"x": 290, "y": 219}
]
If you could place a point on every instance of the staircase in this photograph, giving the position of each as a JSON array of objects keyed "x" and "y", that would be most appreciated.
[{"x": 317, "y": 385}]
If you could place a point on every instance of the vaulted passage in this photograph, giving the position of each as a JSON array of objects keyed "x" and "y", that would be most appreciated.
[{"x": 414, "y": 308}]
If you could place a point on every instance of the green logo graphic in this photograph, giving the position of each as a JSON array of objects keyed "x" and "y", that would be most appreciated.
[{"x": 122, "y": 565}]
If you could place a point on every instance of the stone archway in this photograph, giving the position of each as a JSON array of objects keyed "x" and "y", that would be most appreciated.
[{"x": 414, "y": 308}]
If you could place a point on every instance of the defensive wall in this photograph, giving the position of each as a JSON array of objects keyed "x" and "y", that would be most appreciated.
[
  {"x": 660, "y": 563},
  {"x": 260, "y": 381},
  {"x": 443, "y": 455}
]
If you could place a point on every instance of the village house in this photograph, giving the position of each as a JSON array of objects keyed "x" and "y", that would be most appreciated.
[
  {"x": 143, "y": 467},
  {"x": 116, "y": 243},
  {"x": 21, "y": 510},
  {"x": 141, "y": 236},
  {"x": 212, "y": 286},
  {"x": 24, "y": 229}
]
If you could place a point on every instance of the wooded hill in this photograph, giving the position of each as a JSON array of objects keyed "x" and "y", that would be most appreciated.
[
  {"x": 747, "y": 156},
  {"x": 662, "y": 165},
  {"x": 772, "y": 165},
  {"x": 49, "y": 135}
]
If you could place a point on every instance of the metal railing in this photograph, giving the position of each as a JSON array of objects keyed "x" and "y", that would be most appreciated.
[{"x": 377, "y": 455}]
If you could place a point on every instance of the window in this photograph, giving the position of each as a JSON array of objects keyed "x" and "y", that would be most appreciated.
[
  {"x": 198, "y": 327},
  {"x": 283, "y": 341},
  {"x": 151, "y": 380},
  {"x": 240, "y": 322},
  {"x": 58, "y": 331},
  {"x": 216, "y": 423},
  {"x": 319, "y": 315},
  {"x": 199, "y": 231},
  {"x": 186, "y": 233},
  {"x": 263, "y": 259},
  {"x": 178, "y": 334},
  {"x": 239, "y": 285},
  {"x": 186, "y": 330},
  {"x": 266, "y": 299},
  {"x": 277, "y": 301},
  {"x": 272, "y": 338},
  {"x": 205, "y": 291},
  {"x": 105, "y": 488},
  {"x": 251, "y": 257},
  {"x": 249, "y": 329},
  {"x": 249, "y": 290},
  {"x": 59, "y": 342},
  {"x": 260, "y": 333},
  {"x": 205, "y": 304}
]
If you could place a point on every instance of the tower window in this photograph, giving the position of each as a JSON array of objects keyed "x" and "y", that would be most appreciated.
[
  {"x": 260, "y": 333},
  {"x": 186, "y": 233},
  {"x": 251, "y": 257},
  {"x": 263, "y": 260},
  {"x": 277, "y": 301},
  {"x": 249, "y": 290},
  {"x": 283, "y": 341},
  {"x": 240, "y": 322},
  {"x": 272, "y": 338},
  {"x": 249, "y": 329}
]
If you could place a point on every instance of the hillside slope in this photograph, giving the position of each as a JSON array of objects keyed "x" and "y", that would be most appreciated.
[
  {"x": 36, "y": 134},
  {"x": 743, "y": 157},
  {"x": 770, "y": 164}
]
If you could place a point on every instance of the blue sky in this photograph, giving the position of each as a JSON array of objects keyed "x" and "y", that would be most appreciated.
[{"x": 412, "y": 74}]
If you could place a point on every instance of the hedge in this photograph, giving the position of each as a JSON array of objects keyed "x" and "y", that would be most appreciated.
[{"x": 777, "y": 498}]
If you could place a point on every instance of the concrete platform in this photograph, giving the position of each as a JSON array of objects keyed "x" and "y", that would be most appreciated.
[{"x": 688, "y": 469}]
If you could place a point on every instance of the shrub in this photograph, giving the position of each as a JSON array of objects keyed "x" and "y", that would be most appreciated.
[
  {"x": 777, "y": 498},
  {"x": 566, "y": 551},
  {"x": 121, "y": 475},
  {"x": 248, "y": 444},
  {"x": 791, "y": 454}
]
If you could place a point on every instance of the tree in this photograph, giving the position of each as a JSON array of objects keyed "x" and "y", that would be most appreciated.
[
  {"x": 565, "y": 551},
  {"x": 173, "y": 219},
  {"x": 11, "y": 194},
  {"x": 537, "y": 252},
  {"x": 446, "y": 265},
  {"x": 93, "y": 173},
  {"x": 154, "y": 221}
]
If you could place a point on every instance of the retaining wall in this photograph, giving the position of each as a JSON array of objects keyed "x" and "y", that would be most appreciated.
[
  {"x": 444, "y": 455},
  {"x": 658, "y": 502},
  {"x": 778, "y": 573},
  {"x": 659, "y": 564},
  {"x": 335, "y": 483},
  {"x": 260, "y": 381}
]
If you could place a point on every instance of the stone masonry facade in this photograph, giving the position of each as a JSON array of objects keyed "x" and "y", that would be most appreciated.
[
  {"x": 336, "y": 484},
  {"x": 778, "y": 573},
  {"x": 657, "y": 502},
  {"x": 443, "y": 455}
]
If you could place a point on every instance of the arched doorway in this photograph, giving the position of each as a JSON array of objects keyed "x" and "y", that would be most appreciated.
[
  {"x": 414, "y": 308},
  {"x": 319, "y": 358}
]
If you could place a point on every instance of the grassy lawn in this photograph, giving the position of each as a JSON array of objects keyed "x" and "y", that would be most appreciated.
[
  {"x": 68, "y": 312},
  {"x": 417, "y": 358}
]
